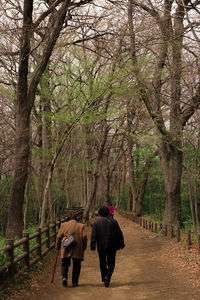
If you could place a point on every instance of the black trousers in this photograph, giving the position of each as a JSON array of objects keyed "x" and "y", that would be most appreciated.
[
  {"x": 66, "y": 262},
  {"x": 107, "y": 263}
]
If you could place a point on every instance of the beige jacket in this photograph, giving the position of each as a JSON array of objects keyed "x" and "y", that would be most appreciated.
[{"x": 80, "y": 236}]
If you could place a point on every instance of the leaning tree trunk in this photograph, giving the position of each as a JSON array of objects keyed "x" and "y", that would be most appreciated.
[
  {"x": 22, "y": 148},
  {"x": 170, "y": 140},
  {"x": 46, "y": 138},
  {"x": 25, "y": 100},
  {"x": 45, "y": 195}
]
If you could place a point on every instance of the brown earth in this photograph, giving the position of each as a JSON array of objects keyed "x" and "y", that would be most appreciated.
[{"x": 149, "y": 267}]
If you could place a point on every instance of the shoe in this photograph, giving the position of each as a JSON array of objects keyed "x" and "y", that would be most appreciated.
[
  {"x": 106, "y": 282},
  {"x": 74, "y": 284},
  {"x": 64, "y": 281}
]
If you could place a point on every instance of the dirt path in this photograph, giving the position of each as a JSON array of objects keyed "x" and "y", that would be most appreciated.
[{"x": 139, "y": 274}]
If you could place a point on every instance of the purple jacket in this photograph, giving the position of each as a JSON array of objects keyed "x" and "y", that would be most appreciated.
[{"x": 111, "y": 210}]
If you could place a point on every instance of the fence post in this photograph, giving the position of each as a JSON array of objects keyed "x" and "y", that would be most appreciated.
[
  {"x": 47, "y": 235},
  {"x": 160, "y": 225},
  {"x": 152, "y": 226},
  {"x": 156, "y": 227},
  {"x": 39, "y": 250},
  {"x": 10, "y": 257},
  {"x": 143, "y": 223},
  {"x": 26, "y": 248},
  {"x": 54, "y": 231}
]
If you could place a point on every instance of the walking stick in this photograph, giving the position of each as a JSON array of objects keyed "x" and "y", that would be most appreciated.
[{"x": 55, "y": 266}]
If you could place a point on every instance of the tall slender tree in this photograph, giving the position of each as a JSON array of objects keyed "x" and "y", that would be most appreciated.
[
  {"x": 26, "y": 91},
  {"x": 170, "y": 25}
]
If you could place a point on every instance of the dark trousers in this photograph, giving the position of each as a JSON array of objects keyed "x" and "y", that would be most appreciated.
[
  {"x": 107, "y": 263},
  {"x": 66, "y": 262}
]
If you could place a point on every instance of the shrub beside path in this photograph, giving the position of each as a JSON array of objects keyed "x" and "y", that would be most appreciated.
[{"x": 139, "y": 274}]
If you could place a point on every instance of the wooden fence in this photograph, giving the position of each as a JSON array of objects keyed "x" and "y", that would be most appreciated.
[
  {"x": 43, "y": 241},
  {"x": 170, "y": 231}
]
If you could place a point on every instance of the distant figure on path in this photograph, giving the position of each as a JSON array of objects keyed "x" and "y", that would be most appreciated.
[
  {"x": 108, "y": 237},
  {"x": 111, "y": 210},
  {"x": 76, "y": 253}
]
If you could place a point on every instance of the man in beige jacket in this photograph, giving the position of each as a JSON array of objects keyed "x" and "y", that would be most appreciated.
[{"x": 76, "y": 253}]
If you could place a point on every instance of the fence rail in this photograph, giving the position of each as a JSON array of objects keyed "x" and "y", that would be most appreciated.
[
  {"x": 44, "y": 240},
  {"x": 170, "y": 231}
]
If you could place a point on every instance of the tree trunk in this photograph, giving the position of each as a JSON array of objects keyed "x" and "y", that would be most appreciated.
[
  {"x": 130, "y": 200},
  {"x": 171, "y": 163},
  {"x": 51, "y": 206},
  {"x": 169, "y": 145},
  {"x": 27, "y": 203},
  {"x": 90, "y": 200},
  {"x": 25, "y": 100},
  {"x": 45, "y": 196},
  {"x": 98, "y": 161},
  {"x": 131, "y": 172},
  {"x": 108, "y": 181},
  {"x": 15, "y": 214},
  {"x": 23, "y": 109},
  {"x": 41, "y": 176},
  {"x": 46, "y": 140},
  {"x": 123, "y": 174},
  {"x": 67, "y": 179},
  {"x": 142, "y": 186}
]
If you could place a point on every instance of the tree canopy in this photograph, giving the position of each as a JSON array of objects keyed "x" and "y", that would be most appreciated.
[{"x": 99, "y": 103}]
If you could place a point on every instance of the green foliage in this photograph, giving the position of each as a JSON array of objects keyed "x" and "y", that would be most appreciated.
[
  {"x": 19, "y": 250},
  {"x": 2, "y": 259},
  {"x": 2, "y": 255},
  {"x": 59, "y": 197},
  {"x": 191, "y": 162},
  {"x": 187, "y": 224},
  {"x": 123, "y": 200},
  {"x": 31, "y": 229},
  {"x": 2, "y": 242}
]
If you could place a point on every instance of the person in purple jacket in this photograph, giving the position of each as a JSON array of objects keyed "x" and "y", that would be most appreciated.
[{"x": 111, "y": 210}]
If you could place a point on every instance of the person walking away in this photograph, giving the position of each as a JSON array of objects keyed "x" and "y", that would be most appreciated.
[
  {"x": 111, "y": 210},
  {"x": 108, "y": 238},
  {"x": 76, "y": 254}
]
